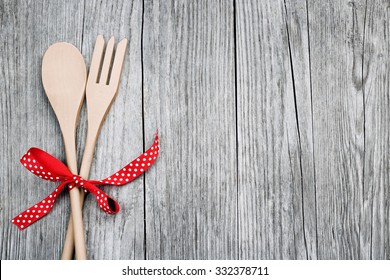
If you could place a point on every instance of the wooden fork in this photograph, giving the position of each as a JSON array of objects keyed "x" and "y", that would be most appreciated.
[{"x": 100, "y": 93}]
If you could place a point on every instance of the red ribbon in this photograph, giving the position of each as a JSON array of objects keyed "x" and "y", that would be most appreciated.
[{"x": 49, "y": 168}]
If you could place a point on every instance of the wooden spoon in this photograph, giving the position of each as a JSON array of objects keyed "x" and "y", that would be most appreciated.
[{"x": 64, "y": 76}]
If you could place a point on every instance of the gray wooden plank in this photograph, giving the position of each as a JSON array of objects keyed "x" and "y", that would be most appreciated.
[
  {"x": 375, "y": 224},
  {"x": 191, "y": 192},
  {"x": 271, "y": 224},
  {"x": 336, "y": 31},
  {"x": 297, "y": 27},
  {"x": 27, "y": 28},
  {"x": 119, "y": 236}
]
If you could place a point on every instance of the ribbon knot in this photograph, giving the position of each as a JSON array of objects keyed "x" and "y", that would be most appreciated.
[{"x": 47, "y": 167}]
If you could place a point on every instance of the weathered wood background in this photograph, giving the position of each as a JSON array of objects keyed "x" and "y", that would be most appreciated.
[{"x": 274, "y": 119}]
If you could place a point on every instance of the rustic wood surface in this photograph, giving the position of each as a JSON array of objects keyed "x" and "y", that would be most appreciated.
[{"x": 273, "y": 116}]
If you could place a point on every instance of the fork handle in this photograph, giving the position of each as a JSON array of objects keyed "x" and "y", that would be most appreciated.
[{"x": 86, "y": 163}]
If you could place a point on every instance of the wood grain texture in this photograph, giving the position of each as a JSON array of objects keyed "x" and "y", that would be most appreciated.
[
  {"x": 273, "y": 119},
  {"x": 375, "y": 218},
  {"x": 271, "y": 224},
  {"x": 336, "y": 32},
  {"x": 191, "y": 194}
]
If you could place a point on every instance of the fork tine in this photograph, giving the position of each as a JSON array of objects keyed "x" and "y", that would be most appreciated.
[
  {"x": 118, "y": 63},
  {"x": 96, "y": 59},
  {"x": 107, "y": 61}
]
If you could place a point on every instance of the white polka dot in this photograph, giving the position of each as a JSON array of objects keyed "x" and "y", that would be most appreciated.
[
  {"x": 45, "y": 211},
  {"x": 17, "y": 221},
  {"x": 134, "y": 175},
  {"x": 43, "y": 172},
  {"x": 22, "y": 226},
  {"x": 29, "y": 221},
  {"x": 41, "y": 167},
  {"x": 48, "y": 173},
  {"x": 35, "y": 166},
  {"x": 36, "y": 216},
  {"x": 24, "y": 164},
  {"x": 28, "y": 211},
  {"x": 29, "y": 160}
]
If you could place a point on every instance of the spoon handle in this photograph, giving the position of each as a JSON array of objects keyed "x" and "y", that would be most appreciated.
[
  {"x": 76, "y": 215},
  {"x": 86, "y": 163}
]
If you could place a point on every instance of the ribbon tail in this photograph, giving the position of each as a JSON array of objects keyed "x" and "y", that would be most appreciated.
[
  {"x": 135, "y": 168},
  {"x": 37, "y": 211},
  {"x": 106, "y": 203}
]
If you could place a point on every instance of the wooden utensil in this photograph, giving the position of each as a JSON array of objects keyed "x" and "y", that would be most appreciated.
[
  {"x": 64, "y": 76},
  {"x": 101, "y": 92}
]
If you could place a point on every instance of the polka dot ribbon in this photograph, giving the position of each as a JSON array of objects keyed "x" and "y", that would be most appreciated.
[{"x": 49, "y": 168}]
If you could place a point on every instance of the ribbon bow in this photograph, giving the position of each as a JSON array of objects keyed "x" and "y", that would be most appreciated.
[{"x": 49, "y": 168}]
